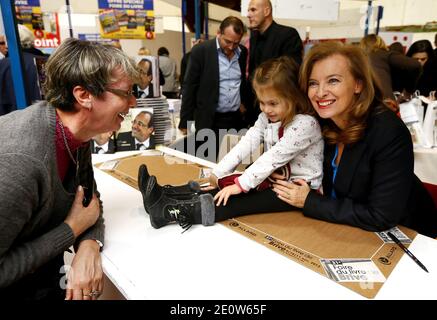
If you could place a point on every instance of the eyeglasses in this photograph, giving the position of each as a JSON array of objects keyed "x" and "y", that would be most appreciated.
[
  {"x": 121, "y": 93},
  {"x": 140, "y": 123}
]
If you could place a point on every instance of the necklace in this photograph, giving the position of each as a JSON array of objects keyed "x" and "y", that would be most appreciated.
[{"x": 61, "y": 125}]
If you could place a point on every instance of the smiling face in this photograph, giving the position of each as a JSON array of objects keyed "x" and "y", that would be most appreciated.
[
  {"x": 111, "y": 107},
  {"x": 274, "y": 107},
  {"x": 332, "y": 89},
  {"x": 141, "y": 127}
]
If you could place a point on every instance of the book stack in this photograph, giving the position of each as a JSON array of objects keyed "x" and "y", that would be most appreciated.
[{"x": 161, "y": 121}]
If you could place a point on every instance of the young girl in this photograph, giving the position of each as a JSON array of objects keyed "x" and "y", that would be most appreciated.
[
  {"x": 293, "y": 143},
  {"x": 291, "y": 136}
]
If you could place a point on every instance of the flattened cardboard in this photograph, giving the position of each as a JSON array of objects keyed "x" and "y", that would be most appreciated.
[
  {"x": 307, "y": 241},
  {"x": 167, "y": 169}
]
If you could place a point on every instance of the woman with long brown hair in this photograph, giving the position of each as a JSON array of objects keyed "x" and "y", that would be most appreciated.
[{"x": 369, "y": 179}]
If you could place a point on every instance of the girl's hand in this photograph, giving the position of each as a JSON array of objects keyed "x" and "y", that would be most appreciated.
[
  {"x": 225, "y": 193},
  {"x": 293, "y": 193}
]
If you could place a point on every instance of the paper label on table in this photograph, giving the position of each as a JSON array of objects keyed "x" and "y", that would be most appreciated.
[
  {"x": 396, "y": 232},
  {"x": 109, "y": 165},
  {"x": 352, "y": 270},
  {"x": 205, "y": 173}
]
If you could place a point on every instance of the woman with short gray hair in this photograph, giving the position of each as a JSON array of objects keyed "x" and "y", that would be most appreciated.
[{"x": 48, "y": 196}]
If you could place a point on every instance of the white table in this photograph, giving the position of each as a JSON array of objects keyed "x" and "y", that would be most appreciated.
[
  {"x": 218, "y": 263},
  {"x": 425, "y": 164}
]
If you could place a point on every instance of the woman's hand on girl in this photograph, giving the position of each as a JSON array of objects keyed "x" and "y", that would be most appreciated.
[
  {"x": 225, "y": 193},
  {"x": 293, "y": 193}
]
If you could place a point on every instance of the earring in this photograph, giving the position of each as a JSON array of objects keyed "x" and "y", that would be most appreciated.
[{"x": 88, "y": 105}]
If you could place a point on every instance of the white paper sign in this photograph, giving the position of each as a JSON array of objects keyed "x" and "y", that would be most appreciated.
[
  {"x": 352, "y": 270},
  {"x": 396, "y": 232}
]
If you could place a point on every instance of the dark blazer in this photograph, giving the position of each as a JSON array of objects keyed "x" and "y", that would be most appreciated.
[
  {"x": 375, "y": 185},
  {"x": 388, "y": 64},
  {"x": 126, "y": 142},
  {"x": 200, "y": 93},
  {"x": 136, "y": 89},
  {"x": 276, "y": 41},
  {"x": 7, "y": 92},
  {"x": 111, "y": 146}
]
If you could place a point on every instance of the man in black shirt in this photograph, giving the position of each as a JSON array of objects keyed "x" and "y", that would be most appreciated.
[{"x": 268, "y": 40}]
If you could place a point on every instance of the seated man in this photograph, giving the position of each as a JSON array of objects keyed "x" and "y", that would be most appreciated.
[
  {"x": 144, "y": 89},
  {"x": 140, "y": 138},
  {"x": 103, "y": 143}
]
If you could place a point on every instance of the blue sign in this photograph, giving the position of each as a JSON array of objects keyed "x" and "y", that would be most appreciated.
[
  {"x": 30, "y": 3},
  {"x": 126, "y": 4}
]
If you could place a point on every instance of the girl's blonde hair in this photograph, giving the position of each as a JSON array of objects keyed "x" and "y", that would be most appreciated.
[
  {"x": 369, "y": 99},
  {"x": 281, "y": 75}
]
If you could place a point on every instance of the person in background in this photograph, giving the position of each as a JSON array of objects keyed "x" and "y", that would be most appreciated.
[
  {"x": 368, "y": 170},
  {"x": 397, "y": 47},
  {"x": 293, "y": 143},
  {"x": 31, "y": 78},
  {"x": 384, "y": 63},
  {"x": 144, "y": 87},
  {"x": 168, "y": 67},
  {"x": 3, "y": 47},
  {"x": 422, "y": 51},
  {"x": 48, "y": 196},
  {"x": 143, "y": 51},
  {"x": 215, "y": 86},
  {"x": 267, "y": 40},
  {"x": 103, "y": 143},
  {"x": 184, "y": 62},
  {"x": 141, "y": 136}
]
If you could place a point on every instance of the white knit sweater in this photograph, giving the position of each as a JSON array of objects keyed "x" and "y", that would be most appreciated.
[{"x": 301, "y": 146}]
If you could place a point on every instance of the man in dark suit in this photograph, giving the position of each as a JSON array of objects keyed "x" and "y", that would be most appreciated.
[
  {"x": 214, "y": 86},
  {"x": 184, "y": 63},
  {"x": 103, "y": 143},
  {"x": 30, "y": 72},
  {"x": 140, "y": 138},
  {"x": 268, "y": 40},
  {"x": 144, "y": 89}
]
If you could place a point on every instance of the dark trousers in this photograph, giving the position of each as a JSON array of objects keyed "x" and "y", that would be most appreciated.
[
  {"x": 250, "y": 203},
  {"x": 41, "y": 285}
]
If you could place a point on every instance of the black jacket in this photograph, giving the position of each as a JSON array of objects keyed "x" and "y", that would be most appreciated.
[
  {"x": 31, "y": 83},
  {"x": 200, "y": 93},
  {"x": 376, "y": 187},
  {"x": 111, "y": 146},
  {"x": 126, "y": 142},
  {"x": 276, "y": 41},
  {"x": 394, "y": 70},
  {"x": 136, "y": 92}
]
